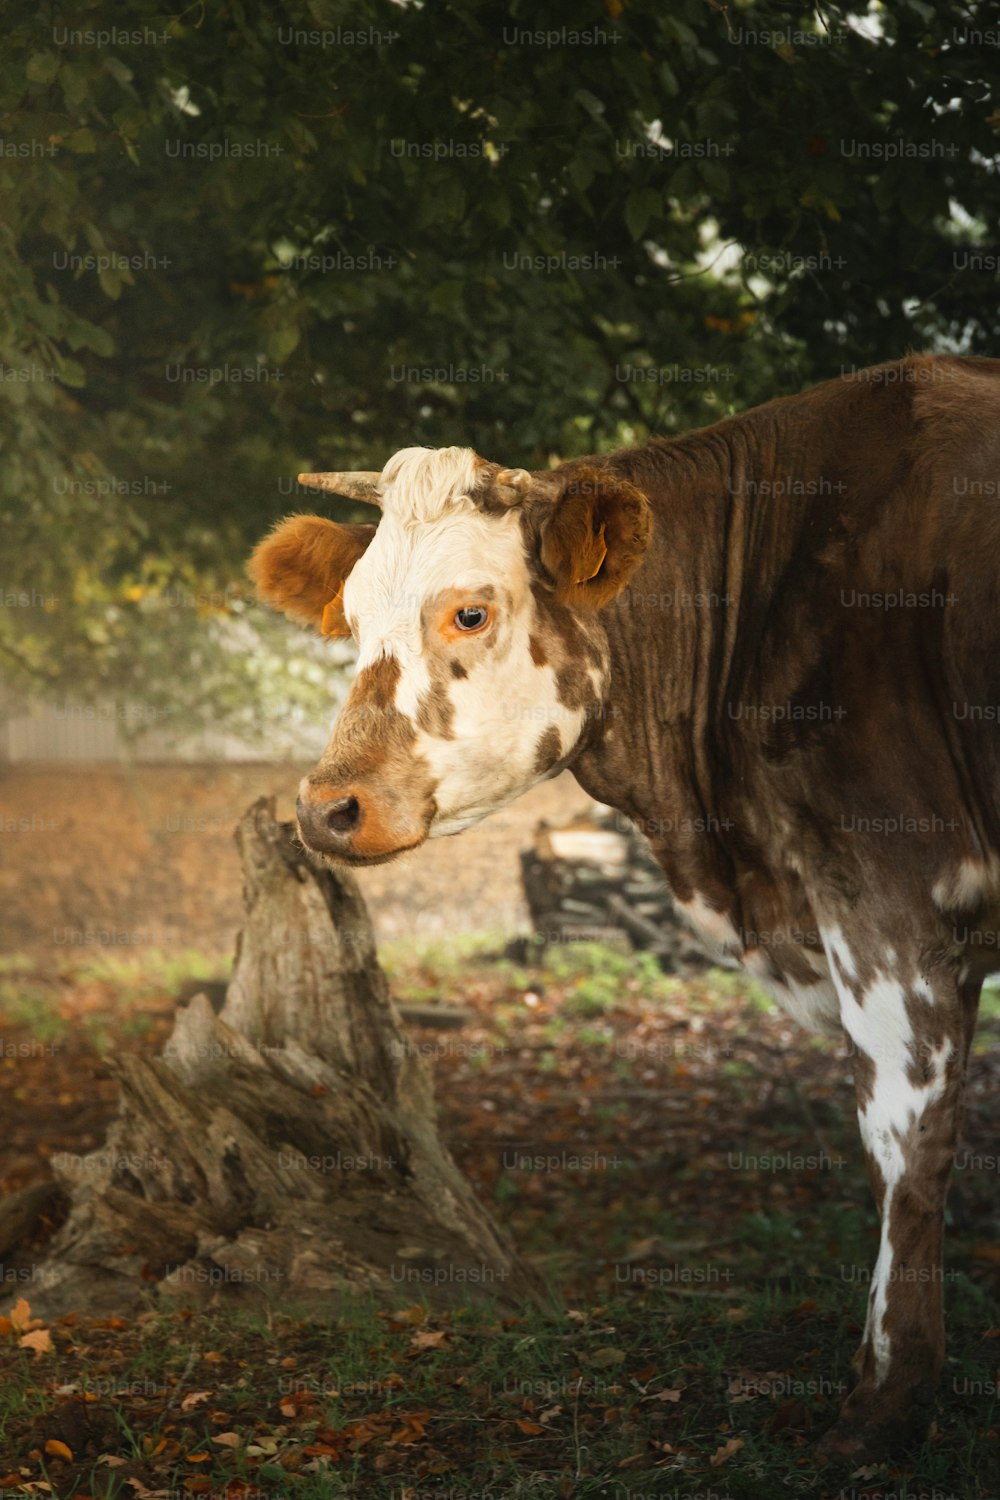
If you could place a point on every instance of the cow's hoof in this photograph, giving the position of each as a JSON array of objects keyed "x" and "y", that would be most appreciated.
[{"x": 847, "y": 1443}]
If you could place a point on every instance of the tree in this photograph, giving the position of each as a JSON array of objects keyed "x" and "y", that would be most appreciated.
[{"x": 240, "y": 244}]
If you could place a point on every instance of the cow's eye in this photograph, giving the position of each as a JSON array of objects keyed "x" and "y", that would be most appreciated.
[{"x": 473, "y": 617}]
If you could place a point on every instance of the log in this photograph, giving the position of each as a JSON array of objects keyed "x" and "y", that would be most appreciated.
[
  {"x": 286, "y": 1146},
  {"x": 595, "y": 879}
]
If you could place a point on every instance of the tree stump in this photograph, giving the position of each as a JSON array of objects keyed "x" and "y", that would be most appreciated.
[{"x": 285, "y": 1146}]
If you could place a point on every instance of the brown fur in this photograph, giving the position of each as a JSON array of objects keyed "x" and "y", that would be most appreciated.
[
  {"x": 372, "y": 758},
  {"x": 548, "y": 750},
  {"x": 596, "y": 512},
  {"x": 303, "y": 564}
]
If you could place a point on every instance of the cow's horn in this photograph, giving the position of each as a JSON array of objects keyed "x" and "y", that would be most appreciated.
[{"x": 357, "y": 484}]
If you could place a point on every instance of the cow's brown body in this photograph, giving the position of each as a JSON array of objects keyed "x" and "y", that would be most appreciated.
[
  {"x": 761, "y": 713},
  {"x": 774, "y": 644}
]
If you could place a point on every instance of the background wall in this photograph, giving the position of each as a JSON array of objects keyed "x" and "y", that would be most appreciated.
[{"x": 122, "y": 858}]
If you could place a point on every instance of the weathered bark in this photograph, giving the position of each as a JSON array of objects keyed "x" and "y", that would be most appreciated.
[{"x": 285, "y": 1145}]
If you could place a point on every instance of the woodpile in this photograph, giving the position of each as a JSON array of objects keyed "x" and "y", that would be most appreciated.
[{"x": 595, "y": 880}]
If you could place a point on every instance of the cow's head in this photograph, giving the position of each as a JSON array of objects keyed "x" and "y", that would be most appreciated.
[{"x": 482, "y": 661}]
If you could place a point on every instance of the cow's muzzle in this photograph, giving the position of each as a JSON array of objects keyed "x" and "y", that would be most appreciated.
[{"x": 355, "y": 825}]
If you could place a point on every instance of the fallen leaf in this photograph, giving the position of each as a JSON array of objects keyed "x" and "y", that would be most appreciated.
[
  {"x": 428, "y": 1338},
  {"x": 57, "y": 1449},
  {"x": 726, "y": 1451},
  {"x": 601, "y": 1359},
  {"x": 263, "y": 1448},
  {"x": 417, "y": 1314},
  {"x": 195, "y": 1397},
  {"x": 39, "y": 1339},
  {"x": 20, "y": 1314},
  {"x": 227, "y": 1439}
]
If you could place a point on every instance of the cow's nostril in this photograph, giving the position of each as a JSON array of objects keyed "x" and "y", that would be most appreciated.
[{"x": 344, "y": 814}]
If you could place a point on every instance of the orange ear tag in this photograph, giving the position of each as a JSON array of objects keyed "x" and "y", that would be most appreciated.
[
  {"x": 334, "y": 621},
  {"x": 596, "y": 557}
]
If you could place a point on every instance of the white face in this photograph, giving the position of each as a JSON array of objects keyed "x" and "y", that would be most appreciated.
[
  {"x": 482, "y": 657},
  {"x": 489, "y": 710}
]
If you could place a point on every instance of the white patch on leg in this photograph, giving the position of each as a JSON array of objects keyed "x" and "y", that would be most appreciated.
[
  {"x": 879, "y": 1026},
  {"x": 814, "y": 1006},
  {"x": 838, "y": 952}
]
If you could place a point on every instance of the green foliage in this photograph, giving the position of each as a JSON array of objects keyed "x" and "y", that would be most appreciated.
[{"x": 227, "y": 238}]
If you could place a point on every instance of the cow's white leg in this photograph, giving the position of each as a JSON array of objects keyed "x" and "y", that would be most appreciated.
[{"x": 910, "y": 1028}]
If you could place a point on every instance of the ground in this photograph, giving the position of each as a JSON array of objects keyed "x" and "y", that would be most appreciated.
[{"x": 679, "y": 1161}]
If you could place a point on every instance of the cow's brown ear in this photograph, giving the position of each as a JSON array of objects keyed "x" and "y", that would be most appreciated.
[
  {"x": 595, "y": 538},
  {"x": 301, "y": 568}
]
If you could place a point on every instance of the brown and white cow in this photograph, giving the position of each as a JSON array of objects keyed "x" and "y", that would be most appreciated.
[{"x": 775, "y": 644}]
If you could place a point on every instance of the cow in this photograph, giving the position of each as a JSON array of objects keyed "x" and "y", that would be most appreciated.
[{"x": 774, "y": 644}]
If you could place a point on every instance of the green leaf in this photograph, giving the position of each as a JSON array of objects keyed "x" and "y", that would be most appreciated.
[
  {"x": 95, "y": 338},
  {"x": 640, "y": 207},
  {"x": 681, "y": 31},
  {"x": 499, "y": 209},
  {"x": 668, "y": 80},
  {"x": 75, "y": 84},
  {"x": 447, "y": 297},
  {"x": 72, "y": 373},
  {"x": 715, "y": 175},
  {"x": 449, "y": 200},
  {"x": 42, "y": 67},
  {"x": 581, "y": 173},
  {"x": 591, "y": 103},
  {"x": 81, "y": 142},
  {"x": 118, "y": 70},
  {"x": 884, "y": 189},
  {"x": 282, "y": 342},
  {"x": 684, "y": 181},
  {"x": 111, "y": 284}
]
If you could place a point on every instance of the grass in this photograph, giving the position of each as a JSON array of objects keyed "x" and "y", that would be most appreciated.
[
  {"x": 545, "y": 1405},
  {"x": 696, "y": 1303},
  {"x": 36, "y": 998}
]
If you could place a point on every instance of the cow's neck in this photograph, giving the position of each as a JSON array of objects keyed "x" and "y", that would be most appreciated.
[{"x": 685, "y": 640}]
